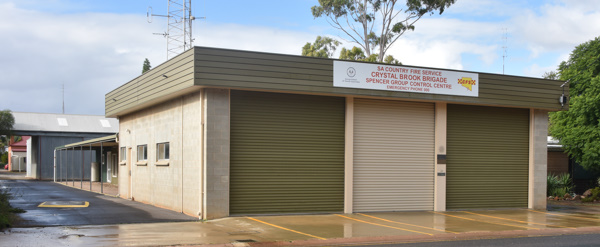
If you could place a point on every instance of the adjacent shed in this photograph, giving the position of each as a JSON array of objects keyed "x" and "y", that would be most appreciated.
[{"x": 49, "y": 131}]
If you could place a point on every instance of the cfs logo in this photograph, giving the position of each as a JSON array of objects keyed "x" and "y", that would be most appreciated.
[
  {"x": 467, "y": 82},
  {"x": 351, "y": 72}
]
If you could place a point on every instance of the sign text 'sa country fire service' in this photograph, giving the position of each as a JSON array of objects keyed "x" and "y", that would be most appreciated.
[{"x": 405, "y": 79}]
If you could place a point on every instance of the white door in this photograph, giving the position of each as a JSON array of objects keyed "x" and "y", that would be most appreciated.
[{"x": 393, "y": 155}]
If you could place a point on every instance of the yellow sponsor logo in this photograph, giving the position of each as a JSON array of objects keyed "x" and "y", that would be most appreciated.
[{"x": 467, "y": 82}]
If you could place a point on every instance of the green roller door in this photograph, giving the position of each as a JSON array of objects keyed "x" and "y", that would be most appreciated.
[
  {"x": 287, "y": 153},
  {"x": 487, "y": 157}
]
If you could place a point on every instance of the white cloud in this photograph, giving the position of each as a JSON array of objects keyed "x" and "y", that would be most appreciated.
[
  {"x": 559, "y": 26},
  {"x": 236, "y": 36},
  {"x": 90, "y": 53},
  {"x": 93, "y": 53},
  {"x": 482, "y": 8},
  {"x": 442, "y": 42},
  {"x": 536, "y": 70}
]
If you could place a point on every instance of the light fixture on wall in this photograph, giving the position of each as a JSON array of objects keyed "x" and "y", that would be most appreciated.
[{"x": 562, "y": 100}]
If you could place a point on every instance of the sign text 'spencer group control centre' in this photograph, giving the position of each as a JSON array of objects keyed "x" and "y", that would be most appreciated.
[{"x": 404, "y": 79}]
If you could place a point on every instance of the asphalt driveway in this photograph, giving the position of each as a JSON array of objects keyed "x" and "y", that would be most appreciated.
[{"x": 102, "y": 209}]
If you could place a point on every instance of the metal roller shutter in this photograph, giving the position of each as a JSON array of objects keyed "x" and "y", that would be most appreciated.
[
  {"x": 287, "y": 153},
  {"x": 393, "y": 155},
  {"x": 487, "y": 157}
]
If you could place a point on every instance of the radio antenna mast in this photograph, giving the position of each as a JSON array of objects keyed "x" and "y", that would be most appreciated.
[
  {"x": 63, "y": 98},
  {"x": 504, "y": 47},
  {"x": 179, "y": 26}
]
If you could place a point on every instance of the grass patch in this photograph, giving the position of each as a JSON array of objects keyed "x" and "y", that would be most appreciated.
[{"x": 7, "y": 212}]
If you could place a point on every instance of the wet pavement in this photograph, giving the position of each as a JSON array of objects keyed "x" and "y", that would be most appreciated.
[
  {"x": 102, "y": 224},
  {"x": 100, "y": 209},
  {"x": 318, "y": 230}
]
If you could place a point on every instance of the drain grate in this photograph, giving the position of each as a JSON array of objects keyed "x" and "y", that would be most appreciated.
[
  {"x": 245, "y": 241},
  {"x": 64, "y": 204}
]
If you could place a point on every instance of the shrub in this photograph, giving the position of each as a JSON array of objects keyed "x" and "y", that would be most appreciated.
[
  {"x": 4, "y": 158},
  {"x": 595, "y": 195},
  {"x": 559, "y": 185},
  {"x": 6, "y": 210}
]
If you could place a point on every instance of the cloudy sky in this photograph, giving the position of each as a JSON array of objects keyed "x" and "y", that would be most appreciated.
[{"x": 94, "y": 46}]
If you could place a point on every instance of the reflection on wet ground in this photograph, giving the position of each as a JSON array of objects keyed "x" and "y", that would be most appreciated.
[{"x": 306, "y": 227}]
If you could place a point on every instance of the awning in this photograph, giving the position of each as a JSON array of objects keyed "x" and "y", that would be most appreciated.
[{"x": 106, "y": 141}]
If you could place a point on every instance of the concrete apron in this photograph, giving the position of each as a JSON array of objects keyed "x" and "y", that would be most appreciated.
[{"x": 316, "y": 230}]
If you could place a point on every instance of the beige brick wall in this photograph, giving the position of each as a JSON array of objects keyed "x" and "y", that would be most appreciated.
[
  {"x": 216, "y": 110},
  {"x": 192, "y": 142},
  {"x": 175, "y": 186},
  {"x": 125, "y": 140},
  {"x": 538, "y": 157}
]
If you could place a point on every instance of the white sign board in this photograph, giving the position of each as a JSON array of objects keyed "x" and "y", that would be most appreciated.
[{"x": 404, "y": 79}]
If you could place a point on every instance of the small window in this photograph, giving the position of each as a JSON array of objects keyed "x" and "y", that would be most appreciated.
[
  {"x": 105, "y": 123},
  {"x": 62, "y": 121},
  {"x": 123, "y": 155},
  {"x": 162, "y": 151},
  {"x": 142, "y": 152},
  {"x": 114, "y": 167}
]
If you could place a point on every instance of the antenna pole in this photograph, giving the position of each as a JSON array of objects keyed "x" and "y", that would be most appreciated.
[
  {"x": 179, "y": 26},
  {"x": 504, "y": 47},
  {"x": 63, "y": 98}
]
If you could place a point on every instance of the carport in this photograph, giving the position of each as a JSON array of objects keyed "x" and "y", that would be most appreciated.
[{"x": 102, "y": 158}]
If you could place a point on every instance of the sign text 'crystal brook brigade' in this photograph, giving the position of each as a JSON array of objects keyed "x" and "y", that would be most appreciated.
[{"x": 404, "y": 79}]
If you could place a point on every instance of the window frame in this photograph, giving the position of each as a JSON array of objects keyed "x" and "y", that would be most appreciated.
[
  {"x": 114, "y": 166},
  {"x": 142, "y": 161},
  {"x": 123, "y": 155},
  {"x": 166, "y": 153}
]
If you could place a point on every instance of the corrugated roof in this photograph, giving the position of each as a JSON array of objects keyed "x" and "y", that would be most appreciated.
[
  {"x": 49, "y": 122},
  {"x": 22, "y": 142},
  {"x": 107, "y": 141}
]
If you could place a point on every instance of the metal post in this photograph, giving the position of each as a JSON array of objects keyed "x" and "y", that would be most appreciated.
[
  {"x": 91, "y": 167},
  {"x": 73, "y": 166},
  {"x": 54, "y": 165},
  {"x": 62, "y": 164},
  {"x": 59, "y": 165},
  {"x": 101, "y": 161},
  {"x": 82, "y": 167},
  {"x": 67, "y": 166}
]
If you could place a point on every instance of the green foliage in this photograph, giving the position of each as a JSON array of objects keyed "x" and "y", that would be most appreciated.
[
  {"x": 389, "y": 59},
  {"x": 146, "y": 66},
  {"x": 7, "y": 120},
  {"x": 354, "y": 54},
  {"x": 357, "y": 54},
  {"x": 578, "y": 129},
  {"x": 322, "y": 47},
  {"x": 3, "y": 159},
  {"x": 582, "y": 66},
  {"x": 357, "y": 19},
  {"x": 17, "y": 138},
  {"x": 7, "y": 212},
  {"x": 551, "y": 75},
  {"x": 595, "y": 195},
  {"x": 559, "y": 185}
]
